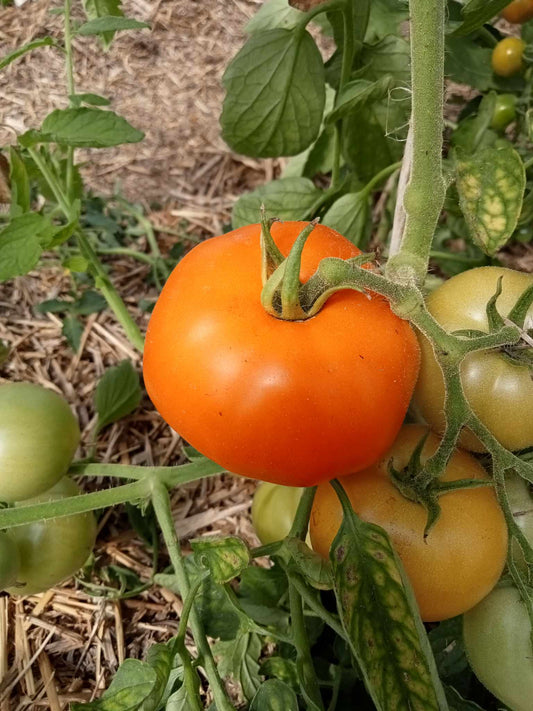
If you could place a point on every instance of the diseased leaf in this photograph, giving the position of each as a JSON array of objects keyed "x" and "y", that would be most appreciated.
[
  {"x": 20, "y": 51},
  {"x": 312, "y": 566},
  {"x": 379, "y": 614},
  {"x": 281, "y": 668},
  {"x": 274, "y": 695},
  {"x": 117, "y": 394},
  {"x": 275, "y": 94},
  {"x": 238, "y": 660},
  {"x": 491, "y": 184},
  {"x": 131, "y": 686},
  {"x": 109, "y": 23},
  {"x": 287, "y": 198},
  {"x": 225, "y": 557}
]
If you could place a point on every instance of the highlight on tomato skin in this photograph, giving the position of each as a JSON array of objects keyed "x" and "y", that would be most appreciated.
[
  {"x": 290, "y": 402},
  {"x": 463, "y": 556}
]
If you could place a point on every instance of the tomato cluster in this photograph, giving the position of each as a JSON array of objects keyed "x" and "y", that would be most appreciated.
[
  {"x": 38, "y": 438},
  {"x": 298, "y": 403}
]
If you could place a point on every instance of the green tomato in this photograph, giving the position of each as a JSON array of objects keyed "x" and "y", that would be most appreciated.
[
  {"x": 52, "y": 551},
  {"x": 520, "y": 499},
  {"x": 38, "y": 438},
  {"x": 497, "y": 641},
  {"x": 9, "y": 560},
  {"x": 273, "y": 510},
  {"x": 504, "y": 112},
  {"x": 499, "y": 390}
]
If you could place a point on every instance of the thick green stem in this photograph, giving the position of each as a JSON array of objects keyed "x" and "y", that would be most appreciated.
[
  {"x": 161, "y": 503},
  {"x": 71, "y": 88},
  {"x": 424, "y": 196}
]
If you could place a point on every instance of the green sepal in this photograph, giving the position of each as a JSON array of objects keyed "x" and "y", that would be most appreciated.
[{"x": 494, "y": 317}]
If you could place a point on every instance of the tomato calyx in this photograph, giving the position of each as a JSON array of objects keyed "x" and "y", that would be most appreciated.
[{"x": 283, "y": 295}]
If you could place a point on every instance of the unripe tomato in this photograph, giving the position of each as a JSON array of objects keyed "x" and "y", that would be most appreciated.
[
  {"x": 518, "y": 11},
  {"x": 38, "y": 438},
  {"x": 52, "y": 551},
  {"x": 520, "y": 496},
  {"x": 507, "y": 57},
  {"x": 291, "y": 402},
  {"x": 273, "y": 510},
  {"x": 499, "y": 390},
  {"x": 465, "y": 552},
  {"x": 9, "y": 560},
  {"x": 504, "y": 112},
  {"x": 497, "y": 640}
]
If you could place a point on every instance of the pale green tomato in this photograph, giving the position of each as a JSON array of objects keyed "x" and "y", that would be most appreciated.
[
  {"x": 499, "y": 391},
  {"x": 273, "y": 510},
  {"x": 38, "y": 438},
  {"x": 497, "y": 641},
  {"x": 9, "y": 560},
  {"x": 52, "y": 551}
]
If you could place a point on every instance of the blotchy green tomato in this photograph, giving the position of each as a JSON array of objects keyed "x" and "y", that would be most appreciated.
[
  {"x": 51, "y": 551},
  {"x": 507, "y": 57},
  {"x": 38, "y": 438},
  {"x": 499, "y": 390},
  {"x": 497, "y": 641},
  {"x": 9, "y": 560},
  {"x": 504, "y": 112},
  {"x": 273, "y": 510}
]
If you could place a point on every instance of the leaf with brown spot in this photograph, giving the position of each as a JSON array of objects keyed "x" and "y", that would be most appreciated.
[{"x": 378, "y": 611}]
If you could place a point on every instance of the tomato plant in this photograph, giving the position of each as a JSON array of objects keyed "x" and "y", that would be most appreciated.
[
  {"x": 9, "y": 560},
  {"x": 38, "y": 438},
  {"x": 498, "y": 388},
  {"x": 504, "y": 112},
  {"x": 273, "y": 510},
  {"x": 518, "y": 11},
  {"x": 497, "y": 641},
  {"x": 471, "y": 527},
  {"x": 51, "y": 551},
  {"x": 291, "y": 402},
  {"x": 507, "y": 57}
]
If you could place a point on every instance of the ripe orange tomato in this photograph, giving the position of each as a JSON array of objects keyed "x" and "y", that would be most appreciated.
[
  {"x": 290, "y": 402},
  {"x": 518, "y": 11},
  {"x": 465, "y": 552},
  {"x": 507, "y": 57}
]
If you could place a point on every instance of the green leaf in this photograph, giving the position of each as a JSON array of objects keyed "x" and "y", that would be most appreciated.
[
  {"x": 109, "y": 23},
  {"x": 131, "y": 687},
  {"x": 312, "y": 566},
  {"x": 20, "y": 51},
  {"x": 53, "y": 306},
  {"x": 274, "y": 695},
  {"x": 179, "y": 701},
  {"x": 90, "y": 302},
  {"x": 349, "y": 215},
  {"x": 491, "y": 185},
  {"x": 225, "y": 557},
  {"x": 274, "y": 14},
  {"x": 117, "y": 394},
  {"x": 85, "y": 127},
  {"x": 76, "y": 263},
  {"x": 19, "y": 183},
  {"x": 379, "y": 614},
  {"x": 58, "y": 235},
  {"x": 385, "y": 18},
  {"x": 287, "y": 198},
  {"x": 72, "y": 330},
  {"x": 237, "y": 659},
  {"x": 357, "y": 93},
  {"x": 20, "y": 247},
  {"x": 275, "y": 94},
  {"x": 103, "y": 8},
  {"x": 281, "y": 668},
  {"x": 389, "y": 57},
  {"x": 476, "y": 13},
  {"x": 447, "y": 644},
  {"x": 91, "y": 99}
]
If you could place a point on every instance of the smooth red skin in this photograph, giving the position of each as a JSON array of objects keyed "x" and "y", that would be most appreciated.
[
  {"x": 465, "y": 552},
  {"x": 292, "y": 403}
]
